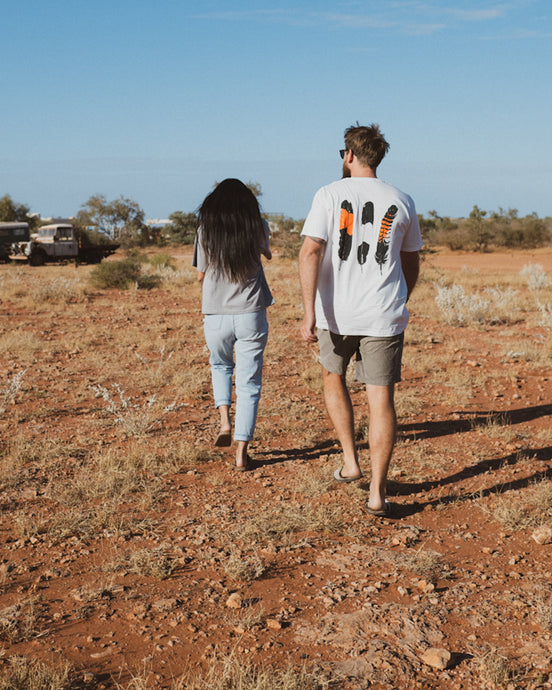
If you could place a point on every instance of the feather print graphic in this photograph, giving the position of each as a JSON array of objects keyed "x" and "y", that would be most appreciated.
[
  {"x": 362, "y": 252},
  {"x": 367, "y": 217},
  {"x": 382, "y": 247},
  {"x": 368, "y": 213},
  {"x": 345, "y": 230}
]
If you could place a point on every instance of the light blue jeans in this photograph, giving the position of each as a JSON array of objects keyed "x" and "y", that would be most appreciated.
[{"x": 247, "y": 335}]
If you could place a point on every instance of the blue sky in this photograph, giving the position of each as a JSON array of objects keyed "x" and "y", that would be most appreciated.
[{"x": 155, "y": 101}]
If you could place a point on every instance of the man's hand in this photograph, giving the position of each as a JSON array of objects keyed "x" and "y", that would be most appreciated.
[{"x": 308, "y": 329}]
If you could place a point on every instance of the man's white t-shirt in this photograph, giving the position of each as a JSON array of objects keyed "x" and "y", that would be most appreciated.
[{"x": 366, "y": 224}]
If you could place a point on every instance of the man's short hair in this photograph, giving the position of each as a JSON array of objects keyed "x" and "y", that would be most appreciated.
[{"x": 367, "y": 143}]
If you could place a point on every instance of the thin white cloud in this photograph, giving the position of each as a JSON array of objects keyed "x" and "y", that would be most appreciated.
[{"x": 411, "y": 17}]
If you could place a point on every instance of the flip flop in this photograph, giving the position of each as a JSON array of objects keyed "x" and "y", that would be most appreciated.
[
  {"x": 379, "y": 512},
  {"x": 345, "y": 480},
  {"x": 223, "y": 439}
]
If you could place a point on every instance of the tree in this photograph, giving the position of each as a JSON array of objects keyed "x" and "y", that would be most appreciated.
[
  {"x": 479, "y": 228},
  {"x": 182, "y": 227},
  {"x": 12, "y": 212},
  {"x": 255, "y": 187},
  {"x": 122, "y": 219}
]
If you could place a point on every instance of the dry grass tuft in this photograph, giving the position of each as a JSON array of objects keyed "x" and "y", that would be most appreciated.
[
  {"x": 279, "y": 521},
  {"x": 154, "y": 562},
  {"x": 244, "y": 567},
  {"x": 494, "y": 669},
  {"x": 136, "y": 417},
  {"x": 22, "y": 673},
  {"x": 20, "y": 622},
  {"x": 425, "y": 563},
  {"x": 231, "y": 673},
  {"x": 11, "y": 389},
  {"x": 315, "y": 482},
  {"x": 492, "y": 305},
  {"x": 532, "y": 507},
  {"x": 60, "y": 290}
]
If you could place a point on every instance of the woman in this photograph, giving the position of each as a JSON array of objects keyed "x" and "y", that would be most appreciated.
[{"x": 230, "y": 239}]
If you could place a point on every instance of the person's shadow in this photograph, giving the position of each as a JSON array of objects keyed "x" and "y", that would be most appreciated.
[{"x": 463, "y": 422}]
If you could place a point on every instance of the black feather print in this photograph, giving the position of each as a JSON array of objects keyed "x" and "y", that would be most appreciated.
[
  {"x": 367, "y": 217},
  {"x": 362, "y": 252},
  {"x": 368, "y": 213},
  {"x": 382, "y": 248}
]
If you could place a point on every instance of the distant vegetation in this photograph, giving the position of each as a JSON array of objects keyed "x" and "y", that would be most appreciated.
[
  {"x": 123, "y": 220},
  {"x": 483, "y": 231}
]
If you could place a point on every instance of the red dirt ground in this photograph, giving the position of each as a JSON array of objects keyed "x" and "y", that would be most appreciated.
[{"x": 355, "y": 599}]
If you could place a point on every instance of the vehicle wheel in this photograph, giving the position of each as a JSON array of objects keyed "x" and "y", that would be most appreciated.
[{"x": 37, "y": 259}]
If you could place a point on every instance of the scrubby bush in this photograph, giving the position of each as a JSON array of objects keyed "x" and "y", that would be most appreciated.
[
  {"x": 286, "y": 235},
  {"x": 535, "y": 275},
  {"x": 116, "y": 274},
  {"x": 162, "y": 261},
  {"x": 493, "y": 305}
]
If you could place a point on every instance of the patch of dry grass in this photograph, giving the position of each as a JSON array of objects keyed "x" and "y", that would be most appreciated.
[
  {"x": 488, "y": 306},
  {"x": 21, "y": 622},
  {"x": 423, "y": 562},
  {"x": 230, "y": 673},
  {"x": 532, "y": 507},
  {"x": 147, "y": 562},
  {"x": 22, "y": 673},
  {"x": 59, "y": 290},
  {"x": 494, "y": 667},
  {"x": 278, "y": 521},
  {"x": 244, "y": 566},
  {"x": 312, "y": 377},
  {"x": 314, "y": 482},
  {"x": 21, "y": 343}
]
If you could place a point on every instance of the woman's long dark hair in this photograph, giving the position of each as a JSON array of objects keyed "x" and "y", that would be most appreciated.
[{"x": 231, "y": 230}]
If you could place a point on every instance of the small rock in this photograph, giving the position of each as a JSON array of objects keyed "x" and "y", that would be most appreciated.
[
  {"x": 543, "y": 534},
  {"x": 273, "y": 624},
  {"x": 234, "y": 601},
  {"x": 437, "y": 658},
  {"x": 101, "y": 655},
  {"x": 426, "y": 587},
  {"x": 165, "y": 604}
]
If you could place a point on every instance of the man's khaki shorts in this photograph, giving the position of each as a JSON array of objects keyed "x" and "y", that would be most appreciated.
[{"x": 378, "y": 360}]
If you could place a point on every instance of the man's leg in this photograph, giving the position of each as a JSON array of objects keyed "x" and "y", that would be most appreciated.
[
  {"x": 340, "y": 410},
  {"x": 381, "y": 437}
]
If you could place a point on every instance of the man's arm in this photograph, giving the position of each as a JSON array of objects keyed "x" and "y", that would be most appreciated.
[
  {"x": 200, "y": 276},
  {"x": 410, "y": 262},
  {"x": 310, "y": 258}
]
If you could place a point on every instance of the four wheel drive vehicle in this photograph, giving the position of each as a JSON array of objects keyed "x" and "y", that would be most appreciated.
[
  {"x": 59, "y": 243},
  {"x": 10, "y": 233}
]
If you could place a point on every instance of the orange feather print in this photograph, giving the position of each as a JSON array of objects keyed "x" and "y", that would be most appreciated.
[
  {"x": 382, "y": 248},
  {"x": 346, "y": 222}
]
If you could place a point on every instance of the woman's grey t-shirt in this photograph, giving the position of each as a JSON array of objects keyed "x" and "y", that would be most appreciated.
[{"x": 220, "y": 296}]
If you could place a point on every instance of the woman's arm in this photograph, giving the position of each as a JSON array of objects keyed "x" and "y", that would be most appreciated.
[{"x": 265, "y": 243}]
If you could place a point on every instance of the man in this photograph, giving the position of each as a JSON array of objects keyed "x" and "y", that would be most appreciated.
[{"x": 358, "y": 266}]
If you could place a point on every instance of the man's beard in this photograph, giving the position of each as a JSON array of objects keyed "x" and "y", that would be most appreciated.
[{"x": 346, "y": 170}]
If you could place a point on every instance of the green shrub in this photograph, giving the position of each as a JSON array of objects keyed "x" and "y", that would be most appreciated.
[
  {"x": 162, "y": 261},
  {"x": 116, "y": 274},
  {"x": 148, "y": 282}
]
